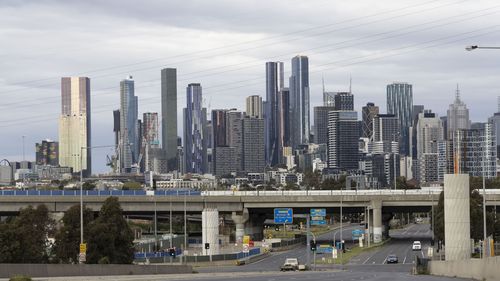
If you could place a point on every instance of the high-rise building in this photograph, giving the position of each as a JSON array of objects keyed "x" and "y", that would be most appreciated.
[
  {"x": 458, "y": 115},
  {"x": 150, "y": 145},
  {"x": 321, "y": 123},
  {"x": 429, "y": 137},
  {"x": 47, "y": 153},
  {"x": 475, "y": 151},
  {"x": 195, "y": 131},
  {"x": 328, "y": 98},
  {"x": 283, "y": 123},
  {"x": 219, "y": 128},
  {"x": 299, "y": 101},
  {"x": 254, "y": 106},
  {"x": 400, "y": 103},
  {"x": 225, "y": 161},
  {"x": 75, "y": 125},
  {"x": 116, "y": 126},
  {"x": 169, "y": 116},
  {"x": 274, "y": 84},
  {"x": 495, "y": 122},
  {"x": 235, "y": 136},
  {"x": 385, "y": 128},
  {"x": 344, "y": 101},
  {"x": 368, "y": 112},
  {"x": 343, "y": 136},
  {"x": 129, "y": 141},
  {"x": 253, "y": 145}
]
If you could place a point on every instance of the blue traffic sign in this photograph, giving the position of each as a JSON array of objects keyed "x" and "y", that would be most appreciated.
[
  {"x": 283, "y": 215},
  {"x": 319, "y": 222},
  {"x": 318, "y": 212},
  {"x": 357, "y": 233}
]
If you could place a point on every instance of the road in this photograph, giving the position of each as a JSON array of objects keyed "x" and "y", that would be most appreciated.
[
  {"x": 400, "y": 245},
  {"x": 269, "y": 276},
  {"x": 276, "y": 260}
]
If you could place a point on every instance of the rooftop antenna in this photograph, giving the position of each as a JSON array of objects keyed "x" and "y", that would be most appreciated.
[
  {"x": 323, "y": 80},
  {"x": 457, "y": 93},
  {"x": 350, "y": 84}
]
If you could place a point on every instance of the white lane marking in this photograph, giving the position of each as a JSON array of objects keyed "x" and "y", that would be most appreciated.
[{"x": 366, "y": 260}]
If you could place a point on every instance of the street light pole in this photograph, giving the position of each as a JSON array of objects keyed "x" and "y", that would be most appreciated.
[
  {"x": 473, "y": 47},
  {"x": 81, "y": 195}
]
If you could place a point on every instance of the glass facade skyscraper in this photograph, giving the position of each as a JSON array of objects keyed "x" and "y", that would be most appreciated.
[
  {"x": 74, "y": 124},
  {"x": 195, "y": 131},
  {"x": 400, "y": 103},
  {"x": 274, "y": 84},
  {"x": 169, "y": 116},
  {"x": 129, "y": 142},
  {"x": 299, "y": 101}
]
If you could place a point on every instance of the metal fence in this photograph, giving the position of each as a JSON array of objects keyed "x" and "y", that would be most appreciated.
[
  {"x": 162, "y": 192},
  {"x": 165, "y": 258}
]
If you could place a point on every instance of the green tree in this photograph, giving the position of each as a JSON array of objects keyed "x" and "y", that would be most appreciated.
[
  {"x": 66, "y": 247},
  {"x": 312, "y": 180},
  {"x": 88, "y": 185},
  {"x": 476, "y": 218},
  {"x": 110, "y": 237},
  {"x": 24, "y": 239},
  {"x": 291, "y": 186},
  {"x": 131, "y": 185}
]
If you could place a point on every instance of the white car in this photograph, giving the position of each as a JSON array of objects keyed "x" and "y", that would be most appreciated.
[{"x": 417, "y": 246}]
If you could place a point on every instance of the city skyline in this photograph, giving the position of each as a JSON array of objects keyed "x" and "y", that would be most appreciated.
[{"x": 367, "y": 85}]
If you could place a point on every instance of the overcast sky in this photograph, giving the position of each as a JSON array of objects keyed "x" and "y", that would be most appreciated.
[{"x": 224, "y": 46}]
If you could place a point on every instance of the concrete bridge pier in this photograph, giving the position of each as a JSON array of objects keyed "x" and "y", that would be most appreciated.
[
  {"x": 377, "y": 221},
  {"x": 210, "y": 230},
  {"x": 240, "y": 220},
  {"x": 255, "y": 226}
]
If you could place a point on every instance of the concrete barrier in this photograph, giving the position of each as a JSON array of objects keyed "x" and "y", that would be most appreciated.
[
  {"x": 479, "y": 269},
  {"x": 60, "y": 270}
]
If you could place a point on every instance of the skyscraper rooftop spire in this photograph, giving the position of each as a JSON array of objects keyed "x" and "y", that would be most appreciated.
[{"x": 457, "y": 94}]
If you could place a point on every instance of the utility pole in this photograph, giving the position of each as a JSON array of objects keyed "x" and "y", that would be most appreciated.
[{"x": 308, "y": 242}]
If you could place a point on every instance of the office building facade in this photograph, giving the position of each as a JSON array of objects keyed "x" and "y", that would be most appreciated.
[
  {"x": 254, "y": 106},
  {"x": 458, "y": 116},
  {"x": 75, "y": 125},
  {"x": 195, "y": 131},
  {"x": 129, "y": 142},
  {"x": 299, "y": 101},
  {"x": 47, "y": 153},
  {"x": 368, "y": 113},
  {"x": 343, "y": 136},
  {"x": 253, "y": 145},
  {"x": 169, "y": 116},
  {"x": 321, "y": 123},
  {"x": 274, "y": 84},
  {"x": 344, "y": 101},
  {"x": 400, "y": 103}
]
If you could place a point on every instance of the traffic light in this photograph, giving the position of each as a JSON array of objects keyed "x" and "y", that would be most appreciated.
[
  {"x": 313, "y": 246},
  {"x": 171, "y": 252},
  {"x": 207, "y": 246}
]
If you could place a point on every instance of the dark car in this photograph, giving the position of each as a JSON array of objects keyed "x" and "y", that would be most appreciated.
[{"x": 392, "y": 259}]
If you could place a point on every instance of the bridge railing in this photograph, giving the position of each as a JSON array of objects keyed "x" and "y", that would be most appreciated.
[
  {"x": 163, "y": 192},
  {"x": 387, "y": 192}
]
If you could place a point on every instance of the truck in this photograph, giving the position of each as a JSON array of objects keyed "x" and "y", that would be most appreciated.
[{"x": 292, "y": 264}]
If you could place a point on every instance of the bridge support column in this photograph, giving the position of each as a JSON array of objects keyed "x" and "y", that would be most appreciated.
[
  {"x": 240, "y": 220},
  {"x": 210, "y": 230},
  {"x": 377, "y": 221}
]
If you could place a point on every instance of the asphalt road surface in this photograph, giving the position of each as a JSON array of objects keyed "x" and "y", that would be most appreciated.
[
  {"x": 276, "y": 260},
  {"x": 270, "y": 276},
  {"x": 400, "y": 245}
]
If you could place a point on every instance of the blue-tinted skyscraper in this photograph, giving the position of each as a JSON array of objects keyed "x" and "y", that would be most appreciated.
[
  {"x": 400, "y": 103},
  {"x": 195, "y": 131},
  {"x": 129, "y": 141},
  {"x": 299, "y": 101},
  {"x": 274, "y": 84}
]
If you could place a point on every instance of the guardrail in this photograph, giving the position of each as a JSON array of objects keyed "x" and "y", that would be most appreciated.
[
  {"x": 188, "y": 192},
  {"x": 324, "y": 192},
  {"x": 175, "y": 192}
]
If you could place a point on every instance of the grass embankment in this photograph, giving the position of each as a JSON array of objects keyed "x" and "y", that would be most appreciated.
[{"x": 348, "y": 255}]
